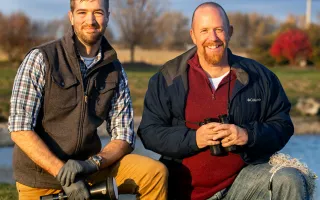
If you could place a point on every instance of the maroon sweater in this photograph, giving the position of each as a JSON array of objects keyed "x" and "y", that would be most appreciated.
[{"x": 209, "y": 174}]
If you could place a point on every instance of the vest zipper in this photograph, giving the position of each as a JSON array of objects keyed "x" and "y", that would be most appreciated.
[
  {"x": 84, "y": 103},
  {"x": 83, "y": 109}
]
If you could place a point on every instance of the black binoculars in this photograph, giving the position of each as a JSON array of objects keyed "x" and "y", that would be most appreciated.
[
  {"x": 219, "y": 150},
  {"x": 106, "y": 189}
]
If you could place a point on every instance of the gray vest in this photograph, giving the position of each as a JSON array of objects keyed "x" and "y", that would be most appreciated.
[{"x": 72, "y": 108}]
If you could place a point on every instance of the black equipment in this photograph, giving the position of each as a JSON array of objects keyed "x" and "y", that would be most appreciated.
[
  {"x": 106, "y": 189},
  {"x": 219, "y": 150}
]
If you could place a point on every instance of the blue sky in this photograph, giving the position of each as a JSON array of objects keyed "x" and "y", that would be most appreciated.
[
  {"x": 55, "y": 9},
  {"x": 280, "y": 9}
]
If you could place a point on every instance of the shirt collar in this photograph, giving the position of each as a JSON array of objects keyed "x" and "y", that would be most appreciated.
[{"x": 97, "y": 58}]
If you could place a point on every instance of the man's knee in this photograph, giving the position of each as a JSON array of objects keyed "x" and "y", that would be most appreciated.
[
  {"x": 290, "y": 179},
  {"x": 154, "y": 180},
  {"x": 147, "y": 168},
  {"x": 158, "y": 170}
]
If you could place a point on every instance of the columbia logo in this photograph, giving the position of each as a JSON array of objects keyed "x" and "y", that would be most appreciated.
[{"x": 253, "y": 100}]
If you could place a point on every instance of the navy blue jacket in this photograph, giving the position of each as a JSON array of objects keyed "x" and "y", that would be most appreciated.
[{"x": 258, "y": 104}]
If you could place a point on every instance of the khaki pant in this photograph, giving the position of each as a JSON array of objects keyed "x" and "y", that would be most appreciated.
[{"x": 134, "y": 174}]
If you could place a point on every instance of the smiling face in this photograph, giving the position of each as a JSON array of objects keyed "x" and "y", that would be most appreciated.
[
  {"x": 89, "y": 19},
  {"x": 211, "y": 34}
]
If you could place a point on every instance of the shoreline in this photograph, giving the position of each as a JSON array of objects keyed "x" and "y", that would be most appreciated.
[
  {"x": 6, "y": 175},
  {"x": 303, "y": 126}
]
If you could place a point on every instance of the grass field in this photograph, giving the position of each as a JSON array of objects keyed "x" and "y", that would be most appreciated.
[
  {"x": 299, "y": 82},
  {"x": 8, "y": 192},
  {"x": 7, "y": 75},
  {"x": 138, "y": 78}
]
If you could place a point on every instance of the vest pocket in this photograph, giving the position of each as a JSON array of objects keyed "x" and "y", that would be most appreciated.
[
  {"x": 63, "y": 92},
  {"x": 106, "y": 87},
  {"x": 101, "y": 98}
]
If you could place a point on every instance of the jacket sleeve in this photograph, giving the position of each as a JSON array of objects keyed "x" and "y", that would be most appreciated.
[
  {"x": 267, "y": 137},
  {"x": 156, "y": 130}
]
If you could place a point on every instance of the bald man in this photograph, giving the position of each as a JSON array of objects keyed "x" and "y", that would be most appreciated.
[{"x": 216, "y": 118}]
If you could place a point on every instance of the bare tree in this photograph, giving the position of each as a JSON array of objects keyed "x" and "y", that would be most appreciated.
[
  {"x": 240, "y": 37},
  {"x": 3, "y": 22},
  {"x": 19, "y": 34},
  {"x": 260, "y": 27},
  {"x": 109, "y": 34},
  {"x": 136, "y": 19},
  {"x": 15, "y": 37},
  {"x": 250, "y": 27},
  {"x": 174, "y": 32},
  {"x": 58, "y": 27},
  {"x": 2, "y": 18},
  {"x": 296, "y": 20}
]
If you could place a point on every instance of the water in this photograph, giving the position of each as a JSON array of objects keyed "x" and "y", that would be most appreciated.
[{"x": 305, "y": 147}]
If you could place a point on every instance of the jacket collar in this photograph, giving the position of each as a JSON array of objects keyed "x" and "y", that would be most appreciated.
[{"x": 235, "y": 63}]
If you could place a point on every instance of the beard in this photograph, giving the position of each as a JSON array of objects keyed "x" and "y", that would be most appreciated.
[
  {"x": 89, "y": 38},
  {"x": 217, "y": 56}
]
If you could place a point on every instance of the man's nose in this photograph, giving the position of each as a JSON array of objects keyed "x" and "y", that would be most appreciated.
[
  {"x": 213, "y": 35},
  {"x": 91, "y": 19}
]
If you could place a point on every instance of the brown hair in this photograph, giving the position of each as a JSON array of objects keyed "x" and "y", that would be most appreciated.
[
  {"x": 106, "y": 4},
  {"x": 215, "y": 5}
]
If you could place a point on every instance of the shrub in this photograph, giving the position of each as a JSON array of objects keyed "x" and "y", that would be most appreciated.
[{"x": 292, "y": 45}]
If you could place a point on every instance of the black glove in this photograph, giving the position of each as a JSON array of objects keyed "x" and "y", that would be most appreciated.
[
  {"x": 77, "y": 191},
  {"x": 72, "y": 168}
]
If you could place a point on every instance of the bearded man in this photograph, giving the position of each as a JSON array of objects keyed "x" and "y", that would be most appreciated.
[
  {"x": 62, "y": 92},
  {"x": 216, "y": 118}
]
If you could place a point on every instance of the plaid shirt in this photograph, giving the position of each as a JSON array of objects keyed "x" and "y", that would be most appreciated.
[{"x": 27, "y": 96}]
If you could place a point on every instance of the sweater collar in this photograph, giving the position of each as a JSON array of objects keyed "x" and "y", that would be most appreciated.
[{"x": 233, "y": 61}]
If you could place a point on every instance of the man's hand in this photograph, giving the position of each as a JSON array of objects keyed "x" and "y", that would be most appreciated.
[
  {"x": 230, "y": 134},
  {"x": 72, "y": 168},
  {"x": 77, "y": 190},
  {"x": 204, "y": 135}
]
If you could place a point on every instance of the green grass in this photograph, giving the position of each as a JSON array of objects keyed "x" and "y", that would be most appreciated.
[
  {"x": 138, "y": 78},
  {"x": 7, "y": 75},
  {"x": 8, "y": 192},
  {"x": 299, "y": 82}
]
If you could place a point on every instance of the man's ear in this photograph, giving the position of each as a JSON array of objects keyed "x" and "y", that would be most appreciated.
[
  {"x": 192, "y": 36},
  {"x": 70, "y": 15},
  {"x": 107, "y": 18},
  {"x": 230, "y": 31}
]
